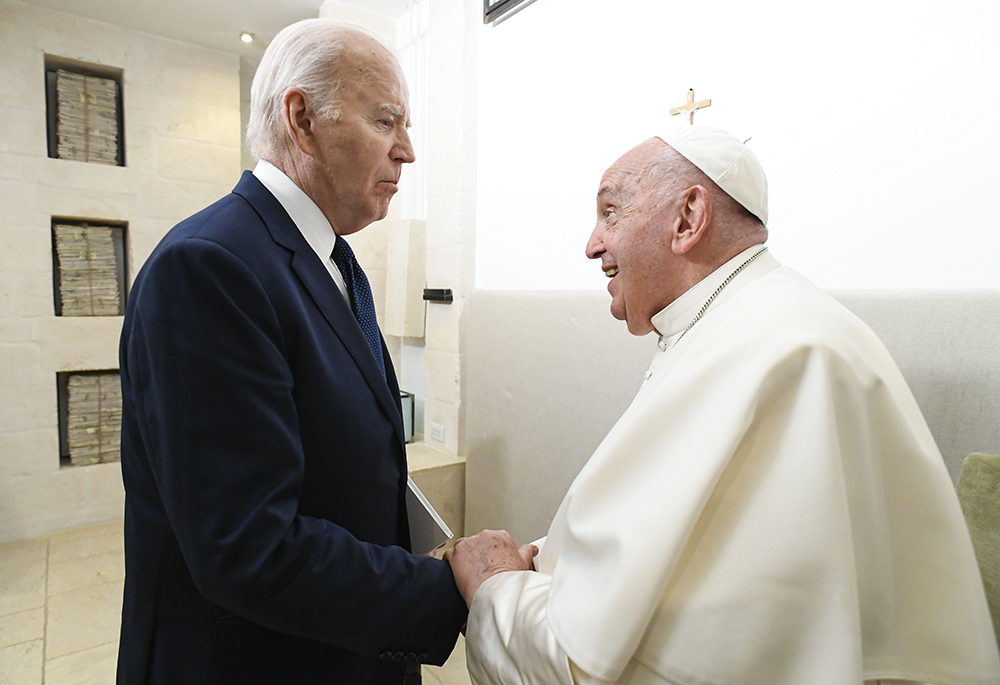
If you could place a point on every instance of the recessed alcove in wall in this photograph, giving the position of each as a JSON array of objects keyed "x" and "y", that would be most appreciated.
[
  {"x": 90, "y": 417},
  {"x": 84, "y": 111},
  {"x": 88, "y": 267}
]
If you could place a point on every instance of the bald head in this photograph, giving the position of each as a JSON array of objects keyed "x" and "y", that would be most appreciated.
[
  {"x": 662, "y": 226},
  {"x": 733, "y": 227}
]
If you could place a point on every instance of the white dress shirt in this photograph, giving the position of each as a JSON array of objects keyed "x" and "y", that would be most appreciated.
[{"x": 306, "y": 215}]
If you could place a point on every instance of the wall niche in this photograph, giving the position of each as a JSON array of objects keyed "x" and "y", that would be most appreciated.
[
  {"x": 84, "y": 112},
  {"x": 90, "y": 417},
  {"x": 88, "y": 267}
]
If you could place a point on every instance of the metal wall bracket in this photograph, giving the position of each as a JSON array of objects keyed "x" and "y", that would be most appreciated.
[{"x": 439, "y": 295}]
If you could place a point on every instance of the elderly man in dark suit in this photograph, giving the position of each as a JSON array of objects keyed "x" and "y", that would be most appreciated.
[{"x": 262, "y": 452}]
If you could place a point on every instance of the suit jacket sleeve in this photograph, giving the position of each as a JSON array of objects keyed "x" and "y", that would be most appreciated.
[{"x": 209, "y": 368}]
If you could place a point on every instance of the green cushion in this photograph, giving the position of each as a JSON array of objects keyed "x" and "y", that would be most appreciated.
[{"x": 979, "y": 493}]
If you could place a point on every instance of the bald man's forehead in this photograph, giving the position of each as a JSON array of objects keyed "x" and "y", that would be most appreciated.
[
  {"x": 637, "y": 160},
  {"x": 624, "y": 175}
]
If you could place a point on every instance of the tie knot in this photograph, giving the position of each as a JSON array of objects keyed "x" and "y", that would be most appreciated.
[{"x": 342, "y": 253}]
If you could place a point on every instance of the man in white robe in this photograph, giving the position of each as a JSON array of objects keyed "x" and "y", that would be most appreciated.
[{"x": 771, "y": 509}]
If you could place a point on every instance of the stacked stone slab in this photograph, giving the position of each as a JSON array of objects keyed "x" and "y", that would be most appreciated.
[
  {"x": 87, "y": 118},
  {"x": 88, "y": 271},
  {"x": 94, "y": 418}
]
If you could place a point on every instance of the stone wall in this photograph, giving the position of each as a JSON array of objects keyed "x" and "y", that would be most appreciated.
[
  {"x": 182, "y": 151},
  {"x": 451, "y": 211}
]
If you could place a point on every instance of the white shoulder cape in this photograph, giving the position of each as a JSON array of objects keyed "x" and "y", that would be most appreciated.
[{"x": 771, "y": 509}]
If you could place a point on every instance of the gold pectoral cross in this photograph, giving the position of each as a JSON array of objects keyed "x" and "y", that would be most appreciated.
[{"x": 691, "y": 107}]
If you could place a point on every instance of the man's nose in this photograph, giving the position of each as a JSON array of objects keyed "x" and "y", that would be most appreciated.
[
  {"x": 595, "y": 246},
  {"x": 403, "y": 151}
]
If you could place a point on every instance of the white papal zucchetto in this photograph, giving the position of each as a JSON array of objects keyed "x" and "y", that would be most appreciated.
[{"x": 725, "y": 160}]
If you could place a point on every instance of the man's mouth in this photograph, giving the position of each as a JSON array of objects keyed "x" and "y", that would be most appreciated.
[{"x": 612, "y": 272}]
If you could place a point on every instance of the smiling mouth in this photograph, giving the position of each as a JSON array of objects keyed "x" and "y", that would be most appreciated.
[{"x": 612, "y": 272}]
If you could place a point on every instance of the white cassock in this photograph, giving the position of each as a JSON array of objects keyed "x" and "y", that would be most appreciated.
[{"x": 771, "y": 510}]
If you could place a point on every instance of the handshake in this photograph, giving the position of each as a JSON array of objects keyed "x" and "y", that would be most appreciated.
[{"x": 473, "y": 560}]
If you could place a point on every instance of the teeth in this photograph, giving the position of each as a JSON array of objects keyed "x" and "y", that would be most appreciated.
[{"x": 612, "y": 272}]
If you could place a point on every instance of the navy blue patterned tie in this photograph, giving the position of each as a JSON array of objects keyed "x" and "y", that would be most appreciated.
[{"x": 361, "y": 296}]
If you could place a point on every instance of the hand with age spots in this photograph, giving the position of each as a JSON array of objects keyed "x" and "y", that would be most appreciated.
[{"x": 482, "y": 556}]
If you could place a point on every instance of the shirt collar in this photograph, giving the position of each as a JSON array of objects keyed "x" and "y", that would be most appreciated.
[
  {"x": 305, "y": 213},
  {"x": 677, "y": 315}
]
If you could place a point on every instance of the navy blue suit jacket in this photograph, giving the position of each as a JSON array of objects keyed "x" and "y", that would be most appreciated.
[{"x": 265, "y": 471}]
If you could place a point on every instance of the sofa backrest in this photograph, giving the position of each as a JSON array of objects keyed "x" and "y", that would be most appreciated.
[
  {"x": 549, "y": 373},
  {"x": 947, "y": 344}
]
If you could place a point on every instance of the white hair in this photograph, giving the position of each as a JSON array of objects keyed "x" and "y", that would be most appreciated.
[{"x": 304, "y": 55}]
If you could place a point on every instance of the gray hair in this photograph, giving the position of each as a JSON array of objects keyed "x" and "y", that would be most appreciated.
[
  {"x": 304, "y": 55},
  {"x": 670, "y": 172}
]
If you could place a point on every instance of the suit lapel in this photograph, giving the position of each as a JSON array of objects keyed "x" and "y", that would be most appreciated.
[{"x": 316, "y": 280}]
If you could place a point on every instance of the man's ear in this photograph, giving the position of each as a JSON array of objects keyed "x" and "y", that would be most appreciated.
[
  {"x": 299, "y": 119},
  {"x": 692, "y": 220}
]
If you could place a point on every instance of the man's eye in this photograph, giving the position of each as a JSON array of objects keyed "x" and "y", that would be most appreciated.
[{"x": 609, "y": 212}]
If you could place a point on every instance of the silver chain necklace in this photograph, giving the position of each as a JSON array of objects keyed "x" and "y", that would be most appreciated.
[{"x": 704, "y": 307}]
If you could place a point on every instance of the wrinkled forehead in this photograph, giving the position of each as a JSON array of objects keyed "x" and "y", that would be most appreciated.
[{"x": 627, "y": 174}]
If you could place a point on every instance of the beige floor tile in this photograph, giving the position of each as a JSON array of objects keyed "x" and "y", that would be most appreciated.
[
  {"x": 20, "y": 552},
  {"x": 21, "y": 664},
  {"x": 448, "y": 678},
  {"x": 95, "y": 666},
  {"x": 90, "y": 531},
  {"x": 23, "y": 626},
  {"x": 84, "y": 542},
  {"x": 454, "y": 671},
  {"x": 22, "y": 587},
  {"x": 83, "y": 570},
  {"x": 81, "y": 619},
  {"x": 453, "y": 677},
  {"x": 96, "y": 569},
  {"x": 428, "y": 677}
]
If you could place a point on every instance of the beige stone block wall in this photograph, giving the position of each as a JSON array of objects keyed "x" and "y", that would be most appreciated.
[
  {"x": 370, "y": 246},
  {"x": 451, "y": 211},
  {"x": 406, "y": 275},
  {"x": 182, "y": 152}
]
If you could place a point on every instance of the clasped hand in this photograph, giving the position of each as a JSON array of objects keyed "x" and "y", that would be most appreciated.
[{"x": 475, "y": 559}]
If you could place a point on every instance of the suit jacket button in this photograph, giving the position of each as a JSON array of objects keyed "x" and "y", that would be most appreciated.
[
  {"x": 385, "y": 656},
  {"x": 398, "y": 656},
  {"x": 421, "y": 658}
]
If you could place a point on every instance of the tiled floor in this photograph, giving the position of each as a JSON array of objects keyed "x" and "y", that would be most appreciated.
[{"x": 60, "y": 607}]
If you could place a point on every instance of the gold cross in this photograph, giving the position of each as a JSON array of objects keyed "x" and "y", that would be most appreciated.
[{"x": 691, "y": 107}]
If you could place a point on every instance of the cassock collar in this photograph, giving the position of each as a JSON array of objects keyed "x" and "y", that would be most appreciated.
[{"x": 675, "y": 317}]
